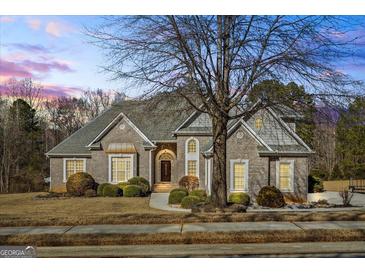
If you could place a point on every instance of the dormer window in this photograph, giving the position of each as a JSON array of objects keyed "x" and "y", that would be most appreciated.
[
  {"x": 192, "y": 146},
  {"x": 258, "y": 123}
]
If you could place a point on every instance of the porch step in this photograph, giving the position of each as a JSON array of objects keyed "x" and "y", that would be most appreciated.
[{"x": 163, "y": 187}]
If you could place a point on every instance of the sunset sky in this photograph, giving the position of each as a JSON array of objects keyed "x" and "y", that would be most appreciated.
[{"x": 54, "y": 51}]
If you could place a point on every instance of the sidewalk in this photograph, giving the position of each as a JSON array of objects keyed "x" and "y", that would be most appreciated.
[
  {"x": 310, "y": 249},
  {"x": 181, "y": 228},
  {"x": 160, "y": 201}
]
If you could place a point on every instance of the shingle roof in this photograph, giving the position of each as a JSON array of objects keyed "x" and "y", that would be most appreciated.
[{"x": 156, "y": 118}]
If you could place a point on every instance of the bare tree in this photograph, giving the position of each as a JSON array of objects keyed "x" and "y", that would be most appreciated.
[
  {"x": 95, "y": 101},
  {"x": 218, "y": 59}
]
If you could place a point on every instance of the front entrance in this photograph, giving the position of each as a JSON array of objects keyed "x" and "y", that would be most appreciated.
[{"x": 165, "y": 171}]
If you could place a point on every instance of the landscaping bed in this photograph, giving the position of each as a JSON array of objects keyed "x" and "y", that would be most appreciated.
[{"x": 22, "y": 210}]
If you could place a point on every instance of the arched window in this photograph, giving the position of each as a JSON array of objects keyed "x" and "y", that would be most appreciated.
[
  {"x": 191, "y": 146},
  {"x": 192, "y": 157},
  {"x": 166, "y": 156}
]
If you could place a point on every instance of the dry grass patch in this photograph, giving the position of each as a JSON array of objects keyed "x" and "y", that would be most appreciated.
[
  {"x": 22, "y": 210},
  {"x": 319, "y": 235}
]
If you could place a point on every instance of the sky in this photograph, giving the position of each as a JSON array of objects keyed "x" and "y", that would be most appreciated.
[{"x": 55, "y": 52}]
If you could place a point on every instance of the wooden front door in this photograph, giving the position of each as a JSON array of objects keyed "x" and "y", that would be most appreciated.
[{"x": 165, "y": 171}]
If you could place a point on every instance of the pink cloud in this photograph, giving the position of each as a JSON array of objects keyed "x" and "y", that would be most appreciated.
[
  {"x": 34, "y": 23},
  {"x": 12, "y": 69},
  {"x": 30, "y": 69},
  {"x": 7, "y": 19},
  {"x": 33, "y": 48},
  {"x": 46, "y": 67},
  {"x": 57, "y": 29}
]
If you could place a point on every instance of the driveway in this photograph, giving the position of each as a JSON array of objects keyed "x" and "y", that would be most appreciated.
[{"x": 334, "y": 198}]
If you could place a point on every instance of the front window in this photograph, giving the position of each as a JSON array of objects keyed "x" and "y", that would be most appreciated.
[
  {"x": 239, "y": 171},
  {"x": 73, "y": 166},
  {"x": 192, "y": 168},
  {"x": 191, "y": 146},
  {"x": 121, "y": 169},
  {"x": 285, "y": 176}
]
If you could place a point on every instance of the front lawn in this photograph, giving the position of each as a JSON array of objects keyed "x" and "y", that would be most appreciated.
[{"x": 22, "y": 210}]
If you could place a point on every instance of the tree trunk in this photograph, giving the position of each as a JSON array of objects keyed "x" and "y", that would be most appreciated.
[{"x": 219, "y": 184}]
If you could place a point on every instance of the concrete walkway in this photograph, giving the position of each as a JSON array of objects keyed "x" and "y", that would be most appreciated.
[
  {"x": 182, "y": 228},
  {"x": 160, "y": 201},
  {"x": 310, "y": 249}
]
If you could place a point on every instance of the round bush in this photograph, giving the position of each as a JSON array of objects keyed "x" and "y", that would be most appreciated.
[
  {"x": 90, "y": 193},
  {"x": 176, "y": 197},
  {"x": 99, "y": 192},
  {"x": 140, "y": 181},
  {"x": 180, "y": 189},
  {"x": 239, "y": 198},
  {"x": 270, "y": 196},
  {"x": 79, "y": 182},
  {"x": 121, "y": 185},
  {"x": 189, "y": 201},
  {"x": 189, "y": 182},
  {"x": 112, "y": 191},
  {"x": 199, "y": 193},
  {"x": 132, "y": 191}
]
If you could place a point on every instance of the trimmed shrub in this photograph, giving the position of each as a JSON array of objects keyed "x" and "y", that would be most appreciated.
[
  {"x": 176, "y": 197},
  {"x": 90, "y": 193},
  {"x": 180, "y": 189},
  {"x": 132, "y": 191},
  {"x": 199, "y": 193},
  {"x": 189, "y": 182},
  {"x": 100, "y": 189},
  {"x": 140, "y": 181},
  {"x": 190, "y": 201},
  {"x": 270, "y": 196},
  {"x": 239, "y": 198},
  {"x": 112, "y": 191},
  {"x": 79, "y": 182},
  {"x": 121, "y": 185}
]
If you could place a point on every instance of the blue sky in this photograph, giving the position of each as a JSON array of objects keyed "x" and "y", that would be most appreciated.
[{"x": 55, "y": 52}]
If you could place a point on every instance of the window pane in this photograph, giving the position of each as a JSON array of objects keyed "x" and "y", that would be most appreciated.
[
  {"x": 191, "y": 146},
  {"x": 192, "y": 168},
  {"x": 121, "y": 169},
  {"x": 285, "y": 176},
  {"x": 79, "y": 166},
  {"x": 238, "y": 176},
  {"x": 74, "y": 166}
]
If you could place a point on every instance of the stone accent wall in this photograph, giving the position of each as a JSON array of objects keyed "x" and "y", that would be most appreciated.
[
  {"x": 245, "y": 148},
  {"x": 258, "y": 176},
  {"x": 181, "y": 140},
  {"x": 97, "y": 165},
  {"x": 56, "y": 173}
]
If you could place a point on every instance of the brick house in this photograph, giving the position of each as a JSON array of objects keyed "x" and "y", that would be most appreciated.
[{"x": 163, "y": 140}]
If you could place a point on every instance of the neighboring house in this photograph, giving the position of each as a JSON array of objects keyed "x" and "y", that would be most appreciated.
[{"x": 164, "y": 139}]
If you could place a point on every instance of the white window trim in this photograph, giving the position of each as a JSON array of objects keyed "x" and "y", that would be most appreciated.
[
  {"x": 71, "y": 159},
  {"x": 110, "y": 156},
  {"x": 291, "y": 162},
  {"x": 232, "y": 162},
  {"x": 194, "y": 156}
]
